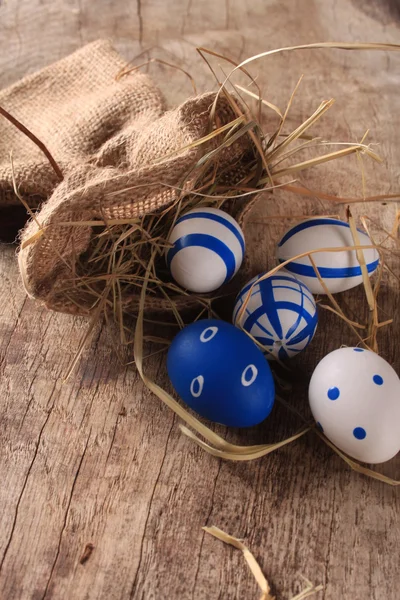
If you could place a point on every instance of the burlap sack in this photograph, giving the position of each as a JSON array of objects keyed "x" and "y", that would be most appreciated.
[
  {"x": 108, "y": 136},
  {"x": 74, "y": 107}
]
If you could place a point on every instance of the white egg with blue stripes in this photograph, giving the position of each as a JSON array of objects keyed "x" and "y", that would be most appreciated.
[
  {"x": 208, "y": 249},
  {"x": 340, "y": 271},
  {"x": 280, "y": 314}
]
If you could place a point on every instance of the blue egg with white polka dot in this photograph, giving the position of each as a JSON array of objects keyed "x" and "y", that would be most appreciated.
[
  {"x": 207, "y": 249},
  {"x": 221, "y": 374}
]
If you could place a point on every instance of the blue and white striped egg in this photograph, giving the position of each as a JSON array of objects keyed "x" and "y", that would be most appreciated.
[
  {"x": 340, "y": 270},
  {"x": 208, "y": 249},
  {"x": 280, "y": 314}
]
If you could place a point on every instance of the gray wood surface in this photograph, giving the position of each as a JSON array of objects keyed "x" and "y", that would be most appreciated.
[{"x": 98, "y": 459}]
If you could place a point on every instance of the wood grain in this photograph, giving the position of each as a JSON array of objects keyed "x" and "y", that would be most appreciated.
[{"x": 98, "y": 460}]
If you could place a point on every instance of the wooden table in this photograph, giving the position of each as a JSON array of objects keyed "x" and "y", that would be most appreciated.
[{"x": 98, "y": 459}]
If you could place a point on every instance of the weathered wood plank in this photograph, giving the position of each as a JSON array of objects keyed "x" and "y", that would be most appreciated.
[{"x": 97, "y": 459}]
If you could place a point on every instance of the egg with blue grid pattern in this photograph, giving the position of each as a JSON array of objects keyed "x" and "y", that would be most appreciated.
[
  {"x": 340, "y": 271},
  {"x": 207, "y": 249},
  {"x": 354, "y": 396},
  {"x": 221, "y": 374},
  {"x": 280, "y": 313}
]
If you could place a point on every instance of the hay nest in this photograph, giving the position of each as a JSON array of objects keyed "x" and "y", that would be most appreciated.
[{"x": 97, "y": 246}]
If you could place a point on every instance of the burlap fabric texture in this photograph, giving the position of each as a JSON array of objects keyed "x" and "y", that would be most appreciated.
[{"x": 108, "y": 136}]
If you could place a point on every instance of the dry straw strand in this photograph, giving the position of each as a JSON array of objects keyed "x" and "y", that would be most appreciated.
[
  {"x": 248, "y": 452},
  {"x": 255, "y": 97},
  {"x": 317, "y": 45},
  {"x": 369, "y": 293},
  {"x": 302, "y": 190},
  {"x": 255, "y": 568},
  {"x": 130, "y": 69},
  {"x": 248, "y": 556}
]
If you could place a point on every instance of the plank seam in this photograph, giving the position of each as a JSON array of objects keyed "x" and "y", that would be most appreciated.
[
  {"x": 149, "y": 509},
  {"x": 206, "y": 524},
  {"x": 26, "y": 479},
  {"x": 66, "y": 516}
]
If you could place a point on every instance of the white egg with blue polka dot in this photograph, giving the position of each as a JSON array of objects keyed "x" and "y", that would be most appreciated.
[
  {"x": 354, "y": 396},
  {"x": 208, "y": 249}
]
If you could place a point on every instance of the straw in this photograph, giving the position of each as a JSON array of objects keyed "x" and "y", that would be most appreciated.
[
  {"x": 255, "y": 568},
  {"x": 248, "y": 556}
]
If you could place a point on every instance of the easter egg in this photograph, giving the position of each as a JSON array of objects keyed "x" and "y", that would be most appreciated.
[
  {"x": 340, "y": 270},
  {"x": 208, "y": 249},
  {"x": 221, "y": 374},
  {"x": 281, "y": 314},
  {"x": 354, "y": 396}
]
